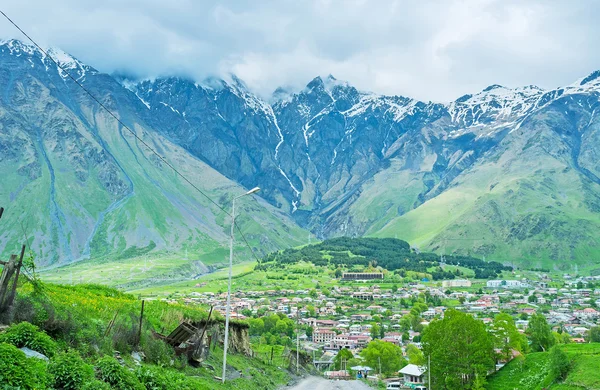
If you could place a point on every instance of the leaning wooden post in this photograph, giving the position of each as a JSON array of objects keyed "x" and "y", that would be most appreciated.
[
  {"x": 139, "y": 338},
  {"x": 1, "y": 211},
  {"x": 5, "y": 276},
  {"x": 13, "y": 292}
]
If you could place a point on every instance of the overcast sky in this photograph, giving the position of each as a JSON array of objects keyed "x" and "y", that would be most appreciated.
[{"x": 430, "y": 50}]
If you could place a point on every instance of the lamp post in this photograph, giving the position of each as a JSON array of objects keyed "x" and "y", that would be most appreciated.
[{"x": 228, "y": 310}]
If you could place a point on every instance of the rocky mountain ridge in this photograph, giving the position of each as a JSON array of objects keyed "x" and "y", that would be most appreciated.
[{"x": 466, "y": 176}]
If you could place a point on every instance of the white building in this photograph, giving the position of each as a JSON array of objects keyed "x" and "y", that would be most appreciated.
[
  {"x": 413, "y": 374},
  {"x": 506, "y": 284},
  {"x": 456, "y": 283}
]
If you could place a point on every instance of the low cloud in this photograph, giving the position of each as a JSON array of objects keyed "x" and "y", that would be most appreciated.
[{"x": 431, "y": 50}]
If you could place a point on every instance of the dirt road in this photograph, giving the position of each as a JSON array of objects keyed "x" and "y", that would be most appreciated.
[{"x": 315, "y": 383}]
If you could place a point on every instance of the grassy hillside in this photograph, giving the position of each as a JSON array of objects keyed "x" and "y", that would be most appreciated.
[
  {"x": 534, "y": 211},
  {"x": 532, "y": 372},
  {"x": 82, "y": 344},
  {"x": 83, "y": 187}
]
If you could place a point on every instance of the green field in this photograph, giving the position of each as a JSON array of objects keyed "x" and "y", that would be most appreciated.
[{"x": 532, "y": 371}]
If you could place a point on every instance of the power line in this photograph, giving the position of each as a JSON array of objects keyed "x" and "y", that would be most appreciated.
[{"x": 131, "y": 131}]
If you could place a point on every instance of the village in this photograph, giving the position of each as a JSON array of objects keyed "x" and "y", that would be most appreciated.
[{"x": 358, "y": 310}]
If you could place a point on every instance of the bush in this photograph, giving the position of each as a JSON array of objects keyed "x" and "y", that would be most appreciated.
[
  {"x": 118, "y": 377},
  {"x": 157, "y": 351},
  {"x": 153, "y": 377},
  {"x": 559, "y": 362},
  {"x": 124, "y": 334},
  {"x": 95, "y": 384},
  {"x": 27, "y": 335},
  {"x": 30, "y": 308},
  {"x": 70, "y": 371},
  {"x": 19, "y": 372}
]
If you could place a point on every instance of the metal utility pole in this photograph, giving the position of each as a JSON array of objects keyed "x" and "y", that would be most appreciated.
[
  {"x": 228, "y": 309},
  {"x": 297, "y": 340},
  {"x": 429, "y": 372}
]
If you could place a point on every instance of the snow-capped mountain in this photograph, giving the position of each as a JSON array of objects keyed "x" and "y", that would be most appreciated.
[{"x": 504, "y": 170}]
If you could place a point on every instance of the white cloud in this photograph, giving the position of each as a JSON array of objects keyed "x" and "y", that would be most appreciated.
[{"x": 431, "y": 50}]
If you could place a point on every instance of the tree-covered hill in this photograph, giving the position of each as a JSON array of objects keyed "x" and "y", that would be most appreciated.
[{"x": 389, "y": 253}]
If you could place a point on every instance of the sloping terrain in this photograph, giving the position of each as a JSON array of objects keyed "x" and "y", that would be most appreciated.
[
  {"x": 83, "y": 186},
  {"x": 509, "y": 174}
]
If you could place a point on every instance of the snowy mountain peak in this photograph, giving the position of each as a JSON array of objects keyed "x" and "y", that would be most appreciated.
[
  {"x": 591, "y": 78},
  {"x": 492, "y": 87},
  {"x": 17, "y": 47}
]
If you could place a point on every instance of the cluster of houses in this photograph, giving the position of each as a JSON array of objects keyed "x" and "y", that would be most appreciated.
[{"x": 344, "y": 317}]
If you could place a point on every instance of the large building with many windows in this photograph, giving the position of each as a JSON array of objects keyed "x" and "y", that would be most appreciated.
[
  {"x": 362, "y": 275},
  {"x": 323, "y": 336},
  {"x": 456, "y": 283}
]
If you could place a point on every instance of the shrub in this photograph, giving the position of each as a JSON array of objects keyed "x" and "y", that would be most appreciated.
[
  {"x": 124, "y": 334},
  {"x": 19, "y": 372},
  {"x": 559, "y": 362},
  {"x": 157, "y": 351},
  {"x": 118, "y": 377},
  {"x": 30, "y": 308},
  {"x": 27, "y": 335},
  {"x": 70, "y": 371},
  {"x": 153, "y": 377},
  {"x": 95, "y": 384}
]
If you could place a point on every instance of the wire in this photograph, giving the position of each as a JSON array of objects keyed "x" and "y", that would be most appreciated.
[{"x": 131, "y": 131}]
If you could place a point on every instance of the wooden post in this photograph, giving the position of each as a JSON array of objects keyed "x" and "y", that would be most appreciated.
[
  {"x": 272, "y": 351},
  {"x": 1, "y": 211},
  {"x": 110, "y": 324},
  {"x": 13, "y": 292},
  {"x": 7, "y": 273},
  {"x": 139, "y": 338},
  {"x": 199, "y": 347}
]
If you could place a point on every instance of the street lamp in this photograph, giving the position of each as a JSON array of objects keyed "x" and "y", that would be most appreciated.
[{"x": 228, "y": 310}]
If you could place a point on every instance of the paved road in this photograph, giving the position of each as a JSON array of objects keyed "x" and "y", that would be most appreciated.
[{"x": 315, "y": 383}]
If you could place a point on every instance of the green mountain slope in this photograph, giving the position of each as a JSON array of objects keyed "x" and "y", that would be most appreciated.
[
  {"x": 82, "y": 186},
  {"x": 531, "y": 201}
]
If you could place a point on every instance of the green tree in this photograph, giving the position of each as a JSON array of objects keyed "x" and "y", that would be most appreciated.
[
  {"x": 270, "y": 322},
  {"x": 313, "y": 293},
  {"x": 506, "y": 335},
  {"x": 257, "y": 326},
  {"x": 559, "y": 362},
  {"x": 415, "y": 323},
  {"x": 417, "y": 309},
  {"x": 387, "y": 354},
  {"x": 593, "y": 335},
  {"x": 342, "y": 357},
  {"x": 415, "y": 355},
  {"x": 309, "y": 331},
  {"x": 539, "y": 333},
  {"x": 405, "y": 323},
  {"x": 561, "y": 338},
  {"x": 375, "y": 330},
  {"x": 460, "y": 348},
  {"x": 338, "y": 273}
]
